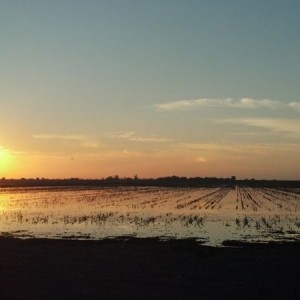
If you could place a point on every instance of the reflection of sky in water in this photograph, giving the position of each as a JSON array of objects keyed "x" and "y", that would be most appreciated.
[{"x": 212, "y": 214}]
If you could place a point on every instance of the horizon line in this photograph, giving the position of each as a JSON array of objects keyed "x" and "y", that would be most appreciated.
[{"x": 118, "y": 178}]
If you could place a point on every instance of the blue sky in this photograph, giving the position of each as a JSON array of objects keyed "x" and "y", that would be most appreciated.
[{"x": 194, "y": 88}]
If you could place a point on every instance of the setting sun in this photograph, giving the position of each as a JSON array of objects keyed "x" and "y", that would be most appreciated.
[{"x": 5, "y": 160}]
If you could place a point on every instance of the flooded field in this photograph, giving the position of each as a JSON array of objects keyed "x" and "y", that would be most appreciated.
[{"x": 211, "y": 215}]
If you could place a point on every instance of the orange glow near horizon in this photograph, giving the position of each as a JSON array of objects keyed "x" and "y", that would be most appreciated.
[
  {"x": 202, "y": 162},
  {"x": 66, "y": 158}
]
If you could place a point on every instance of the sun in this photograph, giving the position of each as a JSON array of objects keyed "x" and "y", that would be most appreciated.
[{"x": 5, "y": 160}]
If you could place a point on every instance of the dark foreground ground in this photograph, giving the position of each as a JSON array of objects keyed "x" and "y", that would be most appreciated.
[{"x": 146, "y": 269}]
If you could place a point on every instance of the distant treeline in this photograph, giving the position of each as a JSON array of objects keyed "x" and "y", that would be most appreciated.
[{"x": 171, "y": 181}]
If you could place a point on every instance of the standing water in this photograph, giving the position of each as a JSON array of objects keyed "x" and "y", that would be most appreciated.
[{"x": 211, "y": 215}]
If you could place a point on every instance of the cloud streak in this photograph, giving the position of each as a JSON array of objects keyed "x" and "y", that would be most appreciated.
[
  {"x": 275, "y": 125},
  {"x": 242, "y": 103},
  {"x": 132, "y": 136},
  {"x": 240, "y": 149},
  {"x": 295, "y": 105},
  {"x": 75, "y": 137}
]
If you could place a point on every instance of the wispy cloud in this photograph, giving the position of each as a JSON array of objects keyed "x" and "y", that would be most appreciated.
[
  {"x": 242, "y": 103},
  {"x": 252, "y": 103},
  {"x": 275, "y": 125},
  {"x": 132, "y": 136},
  {"x": 58, "y": 137},
  {"x": 7, "y": 151},
  {"x": 189, "y": 104},
  {"x": 295, "y": 105},
  {"x": 224, "y": 148},
  {"x": 123, "y": 135},
  {"x": 240, "y": 149}
]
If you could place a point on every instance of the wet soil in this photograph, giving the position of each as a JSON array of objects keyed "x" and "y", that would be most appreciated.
[{"x": 147, "y": 269}]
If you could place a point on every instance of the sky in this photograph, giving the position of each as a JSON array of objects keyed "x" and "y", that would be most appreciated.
[{"x": 203, "y": 88}]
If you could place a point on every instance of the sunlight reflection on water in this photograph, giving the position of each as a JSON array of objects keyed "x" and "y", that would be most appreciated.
[{"x": 210, "y": 214}]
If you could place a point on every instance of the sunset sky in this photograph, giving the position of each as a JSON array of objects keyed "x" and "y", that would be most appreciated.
[{"x": 190, "y": 88}]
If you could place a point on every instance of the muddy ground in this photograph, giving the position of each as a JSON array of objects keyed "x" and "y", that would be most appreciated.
[{"x": 147, "y": 269}]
